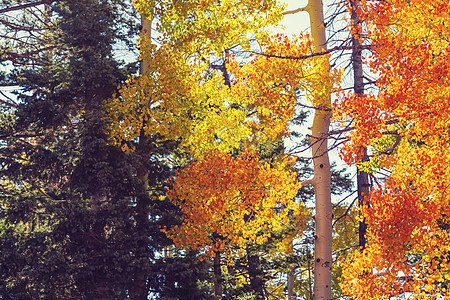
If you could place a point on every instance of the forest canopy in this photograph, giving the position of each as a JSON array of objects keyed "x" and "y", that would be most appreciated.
[{"x": 182, "y": 150}]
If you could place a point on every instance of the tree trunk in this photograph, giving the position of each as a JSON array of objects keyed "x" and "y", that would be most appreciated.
[
  {"x": 290, "y": 279},
  {"x": 322, "y": 169},
  {"x": 291, "y": 272},
  {"x": 147, "y": 30},
  {"x": 142, "y": 202},
  {"x": 310, "y": 289},
  {"x": 142, "y": 250},
  {"x": 362, "y": 178},
  {"x": 255, "y": 274},
  {"x": 217, "y": 276}
]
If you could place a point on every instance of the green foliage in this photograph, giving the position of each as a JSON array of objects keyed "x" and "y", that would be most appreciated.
[
  {"x": 183, "y": 275},
  {"x": 68, "y": 226}
]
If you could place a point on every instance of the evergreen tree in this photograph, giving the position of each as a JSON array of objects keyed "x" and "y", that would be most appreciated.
[{"x": 68, "y": 197}]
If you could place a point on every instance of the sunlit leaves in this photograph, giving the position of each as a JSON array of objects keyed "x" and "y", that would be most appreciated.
[
  {"x": 198, "y": 93},
  {"x": 195, "y": 26},
  {"x": 405, "y": 125},
  {"x": 181, "y": 97},
  {"x": 228, "y": 202}
]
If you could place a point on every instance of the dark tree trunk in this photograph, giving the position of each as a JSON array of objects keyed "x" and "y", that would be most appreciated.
[
  {"x": 217, "y": 276},
  {"x": 362, "y": 178},
  {"x": 255, "y": 274}
]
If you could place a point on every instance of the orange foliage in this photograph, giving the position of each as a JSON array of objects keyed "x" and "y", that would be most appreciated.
[
  {"x": 228, "y": 202},
  {"x": 406, "y": 126}
]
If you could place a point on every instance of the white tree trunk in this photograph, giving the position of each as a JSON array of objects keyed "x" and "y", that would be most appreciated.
[
  {"x": 322, "y": 170},
  {"x": 147, "y": 30}
]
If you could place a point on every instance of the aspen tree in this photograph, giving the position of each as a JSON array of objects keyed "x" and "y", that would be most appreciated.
[
  {"x": 322, "y": 167},
  {"x": 203, "y": 113}
]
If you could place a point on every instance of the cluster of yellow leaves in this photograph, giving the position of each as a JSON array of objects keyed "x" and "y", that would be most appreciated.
[
  {"x": 196, "y": 26},
  {"x": 408, "y": 245},
  {"x": 181, "y": 97},
  {"x": 228, "y": 202},
  {"x": 145, "y": 103}
]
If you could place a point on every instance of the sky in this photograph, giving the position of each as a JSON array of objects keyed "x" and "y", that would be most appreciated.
[{"x": 295, "y": 23}]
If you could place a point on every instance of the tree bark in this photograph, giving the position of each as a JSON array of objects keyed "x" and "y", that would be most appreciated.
[
  {"x": 310, "y": 289},
  {"x": 146, "y": 25},
  {"x": 362, "y": 178},
  {"x": 255, "y": 274},
  {"x": 142, "y": 200},
  {"x": 290, "y": 278},
  {"x": 291, "y": 272},
  {"x": 322, "y": 169},
  {"x": 217, "y": 276}
]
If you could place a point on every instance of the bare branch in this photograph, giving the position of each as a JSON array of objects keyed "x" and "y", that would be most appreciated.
[
  {"x": 6, "y": 102},
  {"x": 345, "y": 249},
  {"x": 14, "y": 57},
  {"x": 345, "y": 198},
  {"x": 306, "y": 182},
  {"x": 346, "y": 212},
  {"x": 11, "y": 102},
  {"x": 350, "y": 128},
  {"x": 22, "y": 6},
  {"x": 22, "y": 27},
  {"x": 294, "y": 11},
  {"x": 340, "y": 48}
]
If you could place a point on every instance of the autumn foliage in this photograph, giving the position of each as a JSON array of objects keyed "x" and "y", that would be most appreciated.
[
  {"x": 198, "y": 93},
  {"x": 181, "y": 96},
  {"x": 229, "y": 201},
  {"x": 406, "y": 126}
]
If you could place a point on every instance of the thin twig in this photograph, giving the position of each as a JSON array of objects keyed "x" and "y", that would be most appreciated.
[
  {"x": 345, "y": 213},
  {"x": 22, "y": 6}
]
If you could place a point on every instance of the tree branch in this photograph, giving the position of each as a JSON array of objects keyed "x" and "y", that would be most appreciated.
[
  {"x": 345, "y": 213},
  {"x": 350, "y": 128},
  {"x": 306, "y": 182},
  {"x": 294, "y": 11},
  {"x": 22, "y": 6},
  {"x": 340, "y": 48},
  {"x": 14, "y": 57}
]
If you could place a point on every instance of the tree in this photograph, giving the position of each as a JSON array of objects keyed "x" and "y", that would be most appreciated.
[
  {"x": 181, "y": 98},
  {"x": 358, "y": 79},
  {"x": 68, "y": 215},
  {"x": 405, "y": 124},
  {"x": 322, "y": 169},
  {"x": 56, "y": 163},
  {"x": 206, "y": 109},
  {"x": 193, "y": 93}
]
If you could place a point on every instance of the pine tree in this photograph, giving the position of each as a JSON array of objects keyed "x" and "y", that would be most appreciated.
[{"x": 68, "y": 215}]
